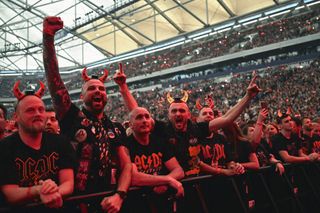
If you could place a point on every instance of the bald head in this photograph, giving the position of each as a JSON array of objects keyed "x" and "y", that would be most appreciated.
[
  {"x": 30, "y": 114},
  {"x": 141, "y": 121}
]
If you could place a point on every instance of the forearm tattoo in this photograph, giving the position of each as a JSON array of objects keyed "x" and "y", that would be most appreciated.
[{"x": 60, "y": 96}]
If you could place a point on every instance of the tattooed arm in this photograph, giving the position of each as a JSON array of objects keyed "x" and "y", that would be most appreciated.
[{"x": 60, "y": 96}]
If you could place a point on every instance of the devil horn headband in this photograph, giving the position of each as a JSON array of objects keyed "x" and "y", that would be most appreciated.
[
  {"x": 209, "y": 103},
  {"x": 86, "y": 78},
  {"x": 183, "y": 99},
  {"x": 20, "y": 95}
]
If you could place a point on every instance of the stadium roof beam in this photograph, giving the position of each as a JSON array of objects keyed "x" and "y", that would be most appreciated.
[
  {"x": 226, "y": 8},
  {"x": 42, "y": 15},
  {"x": 191, "y": 13},
  {"x": 18, "y": 37},
  {"x": 112, "y": 20},
  {"x": 165, "y": 16},
  {"x": 13, "y": 63}
]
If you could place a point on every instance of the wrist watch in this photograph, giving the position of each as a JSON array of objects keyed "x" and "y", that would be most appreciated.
[{"x": 122, "y": 194}]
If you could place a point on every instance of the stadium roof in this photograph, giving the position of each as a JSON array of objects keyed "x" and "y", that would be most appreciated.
[{"x": 99, "y": 29}]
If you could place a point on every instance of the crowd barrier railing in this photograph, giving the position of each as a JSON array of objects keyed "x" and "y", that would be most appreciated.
[{"x": 263, "y": 190}]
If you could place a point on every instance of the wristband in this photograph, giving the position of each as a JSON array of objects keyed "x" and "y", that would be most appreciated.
[{"x": 122, "y": 194}]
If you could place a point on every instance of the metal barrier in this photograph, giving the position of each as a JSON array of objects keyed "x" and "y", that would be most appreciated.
[{"x": 298, "y": 190}]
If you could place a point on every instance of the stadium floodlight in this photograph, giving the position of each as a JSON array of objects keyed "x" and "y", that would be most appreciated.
[
  {"x": 263, "y": 18},
  {"x": 10, "y": 74},
  {"x": 286, "y": 7},
  {"x": 165, "y": 47},
  {"x": 200, "y": 33},
  {"x": 224, "y": 26},
  {"x": 298, "y": 8},
  {"x": 307, "y": 1},
  {"x": 278, "y": 14},
  {"x": 236, "y": 26},
  {"x": 250, "y": 22},
  {"x": 250, "y": 18},
  {"x": 200, "y": 37},
  {"x": 313, "y": 3},
  {"x": 223, "y": 30}
]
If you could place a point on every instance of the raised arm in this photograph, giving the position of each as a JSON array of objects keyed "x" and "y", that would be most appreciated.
[
  {"x": 257, "y": 133},
  {"x": 120, "y": 78},
  {"x": 60, "y": 96},
  {"x": 236, "y": 110}
]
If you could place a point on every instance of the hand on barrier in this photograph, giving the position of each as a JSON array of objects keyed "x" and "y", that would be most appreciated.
[
  {"x": 313, "y": 156},
  {"x": 48, "y": 186},
  {"x": 237, "y": 168},
  {"x": 280, "y": 168},
  {"x": 53, "y": 200},
  {"x": 112, "y": 204},
  {"x": 178, "y": 186},
  {"x": 51, "y": 25}
]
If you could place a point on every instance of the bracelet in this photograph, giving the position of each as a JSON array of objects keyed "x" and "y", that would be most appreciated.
[{"x": 122, "y": 194}]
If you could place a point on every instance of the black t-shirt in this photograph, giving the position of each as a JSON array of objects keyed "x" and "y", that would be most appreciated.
[
  {"x": 25, "y": 166},
  {"x": 310, "y": 144},
  {"x": 96, "y": 142},
  {"x": 186, "y": 145},
  {"x": 316, "y": 144},
  {"x": 263, "y": 152},
  {"x": 240, "y": 151},
  {"x": 150, "y": 158},
  {"x": 215, "y": 151},
  {"x": 281, "y": 143}
]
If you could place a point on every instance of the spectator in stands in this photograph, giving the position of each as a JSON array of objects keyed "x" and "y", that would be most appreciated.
[
  {"x": 35, "y": 164},
  {"x": 99, "y": 139},
  {"x": 52, "y": 124},
  {"x": 287, "y": 145},
  {"x": 11, "y": 127},
  {"x": 3, "y": 119}
]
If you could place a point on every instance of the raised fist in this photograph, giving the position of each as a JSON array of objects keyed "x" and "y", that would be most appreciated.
[{"x": 52, "y": 24}]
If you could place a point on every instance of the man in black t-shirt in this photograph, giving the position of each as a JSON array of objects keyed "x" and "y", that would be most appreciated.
[
  {"x": 215, "y": 151},
  {"x": 35, "y": 164},
  {"x": 98, "y": 138},
  {"x": 287, "y": 146},
  {"x": 153, "y": 162},
  {"x": 184, "y": 135}
]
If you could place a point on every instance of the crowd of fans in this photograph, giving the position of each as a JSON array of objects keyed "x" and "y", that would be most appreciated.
[
  {"x": 76, "y": 150},
  {"x": 263, "y": 33},
  {"x": 293, "y": 86}
]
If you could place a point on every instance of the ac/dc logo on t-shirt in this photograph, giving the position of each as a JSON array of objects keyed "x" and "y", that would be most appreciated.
[
  {"x": 316, "y": 146},
  {"x": 149, "y": 164},
  {"x": 31, "y": 170},
  {"x": 214, "y": 152}
]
